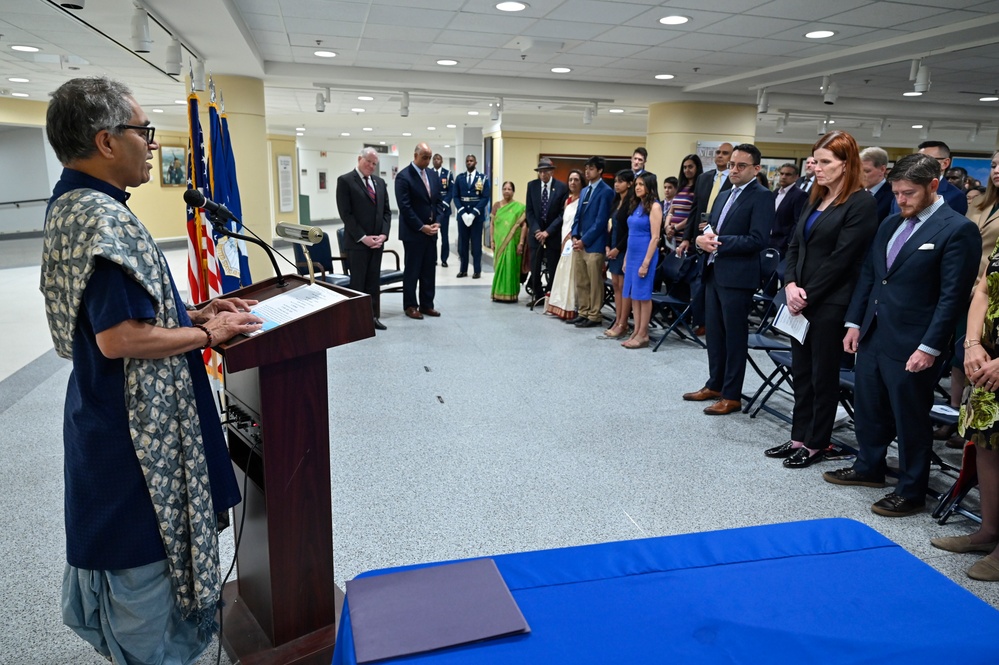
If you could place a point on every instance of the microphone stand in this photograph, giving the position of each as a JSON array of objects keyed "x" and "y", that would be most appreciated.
[{"x": 219, "y": 227}]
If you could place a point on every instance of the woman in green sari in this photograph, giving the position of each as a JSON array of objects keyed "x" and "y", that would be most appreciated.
[{"x": 508, "y": 228}]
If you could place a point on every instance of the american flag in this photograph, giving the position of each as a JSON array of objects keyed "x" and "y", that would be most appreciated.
[{"x": 202, "y": 265}]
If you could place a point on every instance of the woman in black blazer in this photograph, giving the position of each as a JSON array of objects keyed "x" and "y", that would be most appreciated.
[{"x": 829, "y": 244}]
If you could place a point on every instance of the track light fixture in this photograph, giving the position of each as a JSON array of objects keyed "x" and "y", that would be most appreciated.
[
  {"x": 173, "y": 65},
  {"x": 973, "y": 134},
  {"x": 922, "y": 79},
  {"x": 141, "y": 41},
  {"x": 404, "y": 105},
  {"x": 588, "y": 115},
  {"x": 924, "y": 133},
  {"x": 879, "y": 127},
  {"x": 320, "y": 103},
  {"x": 762, "y": 101},
  {"x": 197, "y": 74},
  {"x": 781, "y": 123},
  {"x": 830, "y": 93},
  {"x": 914, "y": 68}
]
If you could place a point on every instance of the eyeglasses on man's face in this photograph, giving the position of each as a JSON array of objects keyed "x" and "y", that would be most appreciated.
[
  {"x": 146, "y": 131},
  {"x": 734, "y": 166}
]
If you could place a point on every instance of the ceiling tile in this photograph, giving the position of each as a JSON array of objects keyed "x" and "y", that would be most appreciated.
[
  {"x": 323, "y": 10},
  {"x": 886, "y": 14},
  {"x": 604, "y": 13},
  {"x": 805, "y": 11},
  {"x": 755, "y": 26},
  {"x": 408, "y": 16}
]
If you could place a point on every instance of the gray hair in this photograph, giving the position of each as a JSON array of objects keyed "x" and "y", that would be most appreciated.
[
  {"x": 917, "y": 168},
  {"x": 82, "y": 107},
  {"x": 368, "y": 150},
  {"x": 874, "y": 155}
]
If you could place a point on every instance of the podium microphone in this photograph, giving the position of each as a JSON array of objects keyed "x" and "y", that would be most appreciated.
[
  {"x": 196, "y": 199},
  {"x": 299, "y": 233}
]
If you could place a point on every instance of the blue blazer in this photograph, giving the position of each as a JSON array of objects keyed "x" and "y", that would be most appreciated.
[
  {"x": 884, "y": 200},
  {"x": 590, "y": 224},
  {"x": 745, "y": 233},
  {"x": 918, "y": 301},
  {"x": 416, "y": 206}
]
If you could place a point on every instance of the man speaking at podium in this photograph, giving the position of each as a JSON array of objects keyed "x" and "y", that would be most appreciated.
[{"x": 146, "y": 466}]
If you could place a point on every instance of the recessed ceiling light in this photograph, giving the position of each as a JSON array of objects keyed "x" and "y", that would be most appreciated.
[
  {"x": 300, "y": 129},
  {"x": 819, "y": 34},
  {"x": 24, "y": 49},
  {"x": 299, "y": 134},
  {"x": 180, "y": 101},
  {"x": 344, "y": 133},
  {"x": 988, "y": 99},
  {"x": 832, "y": 122},
  {"x": 18, "y": 94},
  {"x": 447, "y": 63},
  {"x": 407, "y": 133},
  {"x": 560, "y": 70},
  {"x": 917, "y": 126},
  {"x": 431, "y": 129},
  {"x": 674, "y": 20},
  {"x": 447, "y": 145},
  {"x": 452, "y": 126},
  {"x": 157, "y": 110},
  {"x": 18, "y": 79},
  {"x": 615, "y": 110},
  {"x": 473, "y": 113},
  {"x": 367, "y": 129},
  {"x": 912, "y": 93},
  {"x": 357, "y": 109},
  {"x": 365, "y": 98},
  {"x": 381, "y": 143},
  {"x": 325, "y": 54},
  {"x": 511, "y": 6},
  {"x": 664, "y": 77}
]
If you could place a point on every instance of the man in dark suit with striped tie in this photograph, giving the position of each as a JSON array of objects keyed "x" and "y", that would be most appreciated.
[
  {"x": 419, "y": 199},
  {"x": 362, "y": 200}
]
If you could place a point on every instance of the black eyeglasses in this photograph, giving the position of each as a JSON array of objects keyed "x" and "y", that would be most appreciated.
[{"x": 148, "y": 130}]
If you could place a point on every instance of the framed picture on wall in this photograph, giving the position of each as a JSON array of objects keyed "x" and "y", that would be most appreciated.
[
  {"x": 173, "y": 166},
  {"x": 322, "y": 180}
]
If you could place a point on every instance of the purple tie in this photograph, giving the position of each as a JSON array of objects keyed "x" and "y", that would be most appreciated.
[
  {"x": 896, "y": 247},
  {"x": 371, "y": 190}
]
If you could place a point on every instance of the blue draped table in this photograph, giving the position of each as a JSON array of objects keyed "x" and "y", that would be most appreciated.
[{"x": 822, "y": 591}]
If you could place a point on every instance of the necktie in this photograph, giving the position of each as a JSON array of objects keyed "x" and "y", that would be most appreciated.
[
  {"x": 589, "y": 190},
  {"x": 728, "y": 205},
  {"x": 544, "y": 202},
  {"x": 426, "y": 183},
  {"x": 715, "y": 187},
  {"x": 896, "y": 247},
  {"x": 371, "y": 190}
]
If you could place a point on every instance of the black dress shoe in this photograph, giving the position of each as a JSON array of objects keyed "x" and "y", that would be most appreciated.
[
  {"x": 443, "y": 264},
  {"x": 850, "y": 477},
  {"x": 783, "y": 450},
  {"x": 576, "y": 320},
  {"x": 802, "y": 458},
  {"x": 894, "y": 505},
  {"x": 476, "y": 275},
  {"x": 588, "y": 323},
  {"x": 463, "y": 274},
  {"x": 379, "y": 325}
]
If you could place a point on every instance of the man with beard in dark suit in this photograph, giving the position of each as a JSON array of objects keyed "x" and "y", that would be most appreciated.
[
  {"x": 362, "y": 200},
  {"x": 789, "y": 201},
  {"x": 913, "y": 286}
]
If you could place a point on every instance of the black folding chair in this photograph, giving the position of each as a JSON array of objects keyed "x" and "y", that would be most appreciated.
[
  {"x": 322, "y": 261},
  {"x": 771, "y": 276},
  {"x": 671, "y": 305}
]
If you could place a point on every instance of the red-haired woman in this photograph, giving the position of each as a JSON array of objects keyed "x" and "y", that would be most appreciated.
[{"x": 829, "y": 244}]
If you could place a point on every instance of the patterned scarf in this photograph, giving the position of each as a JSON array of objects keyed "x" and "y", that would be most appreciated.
[{"x": 84, "y": 224}]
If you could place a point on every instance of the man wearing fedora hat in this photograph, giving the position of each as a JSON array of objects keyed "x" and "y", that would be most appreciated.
[{"x": 545, "y": 204}]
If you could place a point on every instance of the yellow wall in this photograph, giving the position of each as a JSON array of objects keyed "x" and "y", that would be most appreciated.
[
  {"x": 22, "y": 112},
  {"x": 286, "y": 146},
  {"x": 676, "y": 127},
  {"x": 517, "y": 153}
]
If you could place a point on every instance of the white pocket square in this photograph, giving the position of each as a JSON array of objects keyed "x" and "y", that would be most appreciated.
[{"x": 928, "y": 245}]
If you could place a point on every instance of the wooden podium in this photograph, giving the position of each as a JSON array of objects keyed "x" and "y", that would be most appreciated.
[{"x": 281, "y": 609}]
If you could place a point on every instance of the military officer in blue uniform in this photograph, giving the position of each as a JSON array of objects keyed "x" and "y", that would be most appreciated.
[
  {"x": 444, "y": 214},
  {"x": 471, "y": 194}
]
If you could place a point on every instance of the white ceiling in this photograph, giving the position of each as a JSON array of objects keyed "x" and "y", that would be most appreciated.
[{"x": 725, "y": 53}]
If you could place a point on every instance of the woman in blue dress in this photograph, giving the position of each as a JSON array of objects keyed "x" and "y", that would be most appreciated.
[{"x": 644, "y": 226}]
